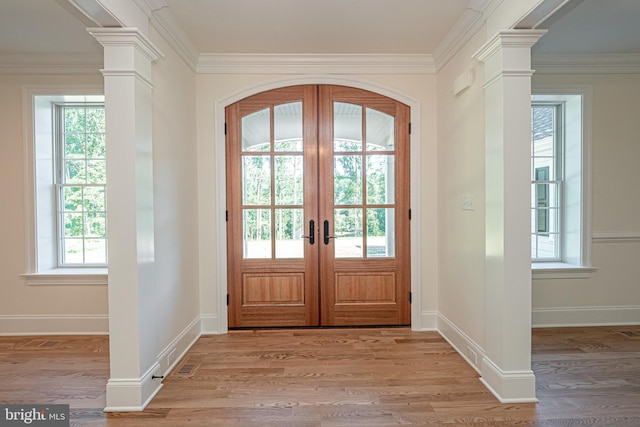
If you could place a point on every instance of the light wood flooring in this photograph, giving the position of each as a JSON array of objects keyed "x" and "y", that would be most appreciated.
[{"x": 337, "y": 377}]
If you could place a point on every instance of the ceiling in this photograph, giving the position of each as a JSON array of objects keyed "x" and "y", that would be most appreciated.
[
  {"x": 317, "y": 27},
  {"x": 593, "y": 27},
  {"x": 54, "y": 27}
]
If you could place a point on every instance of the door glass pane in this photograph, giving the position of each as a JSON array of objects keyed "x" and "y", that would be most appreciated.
[
  {"x": 347, "y": 180},
  {"x": 289, "y": 229},
  {"x": 256, "y": 180},
  {"x": 380, "y": 131},
  {"x": 347, "y": 127},
  {"x": 348, "y": 233},
  {"x": 256, "y": 131},
  {"x": 381, "y": 232},
  {"x": 380, "y": 179},
  {"x": 288, "y": 180},
  {"x": 256, "y": 233},
  {"x": 287, "y": 127}
]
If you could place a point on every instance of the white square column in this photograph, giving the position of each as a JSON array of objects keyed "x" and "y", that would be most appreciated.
[
  {"x": 128, "y": 56},
  {"x": 506, "y": 367}
]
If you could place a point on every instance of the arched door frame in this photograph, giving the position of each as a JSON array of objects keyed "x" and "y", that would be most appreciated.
[{"x": 415, "y": 179}]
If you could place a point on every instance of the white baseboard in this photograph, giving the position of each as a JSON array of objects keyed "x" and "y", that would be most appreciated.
[
  {"x": 122, "y": 392},
  {"x": 211, "y": 324},
  {"x": 133, "y": 394},
  {"x": 54, "y": 325},
  {"x": 428, "y": 321},
  {"x": 463, "y": 344},
  {"x": 585, "y": 316},
  {"x": 171, "y": 354},
  {"x": 509, "y": 386}
]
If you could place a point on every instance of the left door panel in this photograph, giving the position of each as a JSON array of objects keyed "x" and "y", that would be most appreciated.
[{"x": 272, "y": 229}]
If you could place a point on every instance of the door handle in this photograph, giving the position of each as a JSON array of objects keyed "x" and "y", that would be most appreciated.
[
  {"x": 326, "y": 232},
  {"x": 312, "y": 233}
]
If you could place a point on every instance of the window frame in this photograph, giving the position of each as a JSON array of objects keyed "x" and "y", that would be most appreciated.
[
  {"x": 575, "y": 261},
  {"x": 40, "y": 206}
]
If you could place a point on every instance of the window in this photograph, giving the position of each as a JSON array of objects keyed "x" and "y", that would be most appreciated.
[
  {"x": 81, "y": 185},
  {"x": 546, "y": 181},
  {"x": 560, "y": 223},
  {"x": 65, "y": 186}
]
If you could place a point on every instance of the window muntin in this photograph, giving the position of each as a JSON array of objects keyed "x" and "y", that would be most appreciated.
[{"x": 80, "y": 182}]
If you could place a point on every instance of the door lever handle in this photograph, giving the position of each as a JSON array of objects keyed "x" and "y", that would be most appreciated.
[
  {"x": 312, "y": 234},
  {"x": 326, "y": 232}
]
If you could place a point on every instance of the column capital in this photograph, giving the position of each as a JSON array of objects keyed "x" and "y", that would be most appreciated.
[
  {"x": 126, "y": 37},
  {"x": 508, "y": 39}
]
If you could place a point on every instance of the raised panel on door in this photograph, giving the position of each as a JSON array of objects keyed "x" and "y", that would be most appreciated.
[
  {"x": 271, "y": 202},
  {"x": 364, "y": 208}
]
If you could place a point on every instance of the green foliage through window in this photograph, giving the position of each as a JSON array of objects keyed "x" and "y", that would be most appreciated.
[{"x": 81, "y": 183}]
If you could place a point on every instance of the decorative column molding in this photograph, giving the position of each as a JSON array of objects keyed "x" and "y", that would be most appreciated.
[
  {"x": 506, "y": 367},
  {"x": 126, "y": 52},
  {"x": 128, "y": 57}
]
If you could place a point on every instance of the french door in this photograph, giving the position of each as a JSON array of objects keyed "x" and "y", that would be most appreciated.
[{"x": 318, "y": 208}]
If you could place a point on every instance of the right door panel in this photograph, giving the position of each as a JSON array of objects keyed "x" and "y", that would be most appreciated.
[{"x": 363, "y": 197}]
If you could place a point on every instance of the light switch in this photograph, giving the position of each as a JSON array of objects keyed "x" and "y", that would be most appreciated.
[{"x": 468, "y": 203}]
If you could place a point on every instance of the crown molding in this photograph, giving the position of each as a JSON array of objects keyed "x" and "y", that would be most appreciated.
[
  {"x": 464, "y": 29},
  {"x": 556, "y": 63},
  {"x": 70, "y": 64},
  {"x": 165, "y": 22},
  {"x": 316, "y": 63}
]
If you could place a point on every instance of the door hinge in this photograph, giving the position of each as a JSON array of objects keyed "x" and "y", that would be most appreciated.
[
  {"x": 226, "y": 216},
  {"x": 227, "y": 299},
  {"x": 409, "y": 213},
  {"x": 225, "y": 128},
  {"x": 410, "y": 299},
  {"x": 409, "y": 128}
]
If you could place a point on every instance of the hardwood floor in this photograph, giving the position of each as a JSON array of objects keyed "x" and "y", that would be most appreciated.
[{"x": 337, "y": 377}]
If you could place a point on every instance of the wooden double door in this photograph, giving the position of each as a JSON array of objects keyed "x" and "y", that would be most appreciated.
[{"x": 318, "y": 208}]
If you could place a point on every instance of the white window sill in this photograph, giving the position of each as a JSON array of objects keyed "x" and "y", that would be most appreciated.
[
  {"x": 68, "y": 276},
  {"x": 560, "y": 270}
]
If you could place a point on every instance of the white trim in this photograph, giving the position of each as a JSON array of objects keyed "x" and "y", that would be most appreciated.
[
  {"x": 238, "y": 63},
  {"x": 508, "y": 386},
  {"x": 459, "y": 340},
  {"x": 567, "y": 63},
  {"x": 68, "y": 276},
  {"x": 585, "y": 316},
  {"x": 469, "y": 23},
  {"x": 133, "y": 389},
  {"x": 415, "y": 180},
  {"x": 48, "y": 64},
  {"x": 54, "y": 325},
  {"x": 615, "y": 236},
  {"x": 428, "y": 321},
  {"x": 29, "y": 92},
  {"x": 210, "y": 324},
  {"x": 560, "y": 270},
  {"x": 586, "y": 91},
  {"x": 169, "y": 357}
]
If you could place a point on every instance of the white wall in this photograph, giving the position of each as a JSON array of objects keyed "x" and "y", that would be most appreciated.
[
  {"x": 217, "y": 90},
  {"x": 34, "y": 309},
  {"x": 171, "y": 309},
  {"x": 612, "y": 293},
  {"x": 461, "y": 172}
]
